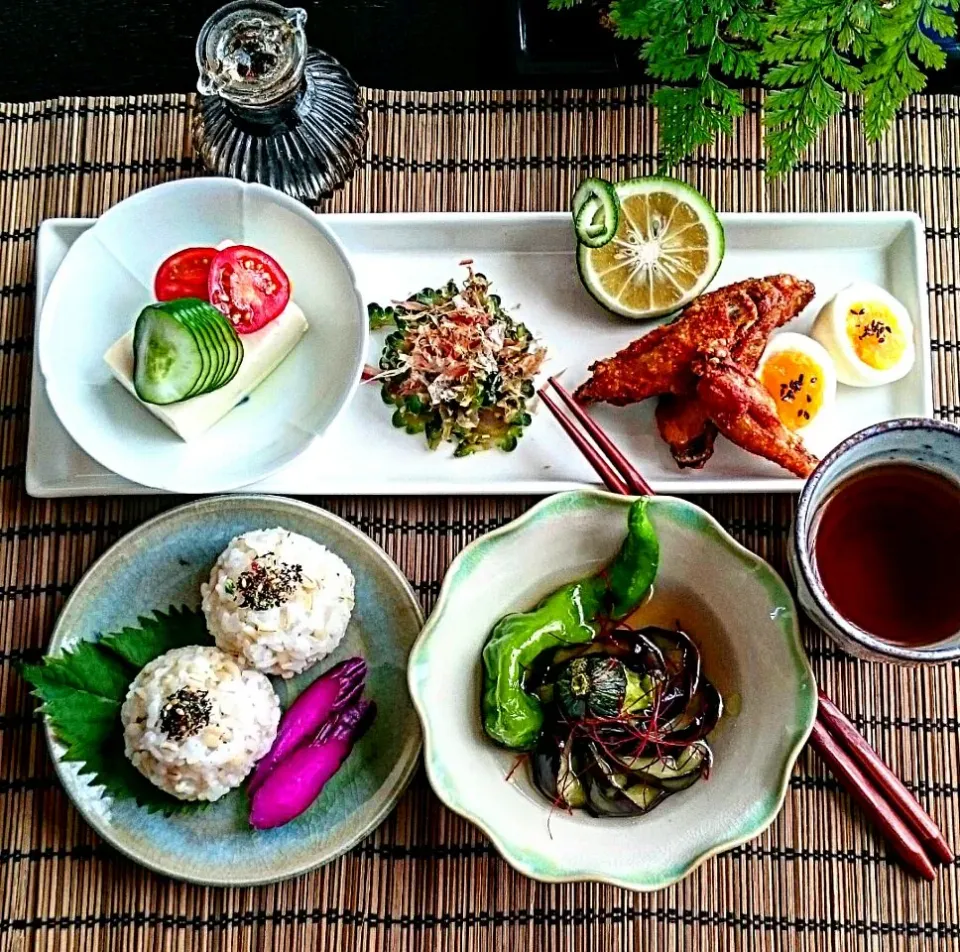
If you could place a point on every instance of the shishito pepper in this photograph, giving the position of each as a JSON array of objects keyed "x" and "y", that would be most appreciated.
[
  {"x": 512, "y": 716},
  {"x": 635, "y": 567}
]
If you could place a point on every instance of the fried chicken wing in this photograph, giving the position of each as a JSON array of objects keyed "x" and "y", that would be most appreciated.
[
  {"x": 659, "y": 362},
  {"x": 701, "y": 366},
  {"x": 779, "y": 298},
  {"x": 745, "y": 413},
  {"x": 686, "y": 428},
  {"x": 682, "y": 421}
]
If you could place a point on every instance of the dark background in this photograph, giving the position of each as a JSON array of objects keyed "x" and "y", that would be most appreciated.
[
  {"x": 120, "y": 47},
  {"x": 91, "y": 47}
]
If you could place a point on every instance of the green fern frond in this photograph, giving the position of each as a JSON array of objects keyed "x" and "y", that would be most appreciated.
[
  {"x": 689, "y": 119},
  {"x": 695, "y": 46},
  {"x": 893, "y": 71},
  {"x": 814, "y": 51},
  {"x": 809, "y": 44}
]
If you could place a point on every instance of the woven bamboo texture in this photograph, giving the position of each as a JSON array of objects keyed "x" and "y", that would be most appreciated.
[{"x": 818, "y": 879}]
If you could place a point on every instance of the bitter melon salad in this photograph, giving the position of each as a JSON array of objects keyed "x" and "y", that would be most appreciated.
[{"x": 458, "y": 368}]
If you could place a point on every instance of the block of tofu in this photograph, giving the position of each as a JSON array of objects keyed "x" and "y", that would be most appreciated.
[{"x": 263, "y": 352}]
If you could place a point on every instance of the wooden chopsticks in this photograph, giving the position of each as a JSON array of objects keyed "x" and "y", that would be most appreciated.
[
  {"x": 885, "y": 779},
  {"x": 910, "y": 831},
  {"x": 635, "y": 483}
]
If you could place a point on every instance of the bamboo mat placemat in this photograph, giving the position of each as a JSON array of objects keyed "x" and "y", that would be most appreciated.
[{"x": 818, "y": 879}]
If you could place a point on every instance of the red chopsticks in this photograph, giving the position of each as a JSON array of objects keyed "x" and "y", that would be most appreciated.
[
  {"x": 910, "y": 831},
  {"x": 888, "y": 821},
  {"x": 635, "y": 483},
  {"x": 885, "y": 780}
]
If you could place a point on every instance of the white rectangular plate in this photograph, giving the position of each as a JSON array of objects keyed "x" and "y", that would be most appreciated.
[{"x": 529, "y": 258}]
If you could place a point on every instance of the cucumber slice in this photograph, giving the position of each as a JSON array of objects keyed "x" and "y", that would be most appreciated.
[
  {"x": 181, "y": 349},
  {"x": 596, "y": 212},
  {"x": 209, "y": 342},
  {"x": 589, "y": 220},
  {"x": 207, "y": 329},
  {"x": 168, "y": 360},
  {"x": 224, "y": 343},
  {"x": 234, "y": 346},
  {"x": 230, "y": 346}
]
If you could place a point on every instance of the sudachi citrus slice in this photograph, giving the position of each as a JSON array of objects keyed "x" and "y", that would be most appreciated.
[{"x": 668, "y": 246}]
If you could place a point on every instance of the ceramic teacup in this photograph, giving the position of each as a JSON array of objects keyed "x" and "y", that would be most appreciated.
[{"x": 915, "y": 441}]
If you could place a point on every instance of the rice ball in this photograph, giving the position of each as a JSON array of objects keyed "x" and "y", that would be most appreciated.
[
  {"x": 278, "y": 601},
  {"x": 195, "y": 722}
]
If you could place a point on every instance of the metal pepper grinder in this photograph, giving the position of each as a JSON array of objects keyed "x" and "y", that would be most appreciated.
[{"x": 274, "y": 110}]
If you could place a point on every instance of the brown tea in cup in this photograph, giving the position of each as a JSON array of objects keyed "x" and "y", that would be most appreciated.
[{"x": 887, "y": 552}]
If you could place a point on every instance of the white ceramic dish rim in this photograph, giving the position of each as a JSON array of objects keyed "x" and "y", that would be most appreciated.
[
  {"x": 295, "y": 208},
  {"x": 935, "y": 654},
  {"x": 108, "y": 484},
  {"x": 69, "y": 779},
  {"x": 515, "y": 860}
]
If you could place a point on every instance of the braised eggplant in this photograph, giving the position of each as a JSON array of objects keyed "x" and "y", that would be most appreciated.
[
  {"x": 670, "y": 771},
  {"x": 700, "y": 716},
  {"x": 625, "y": 721},
  {"x": 557, "y": 775},
  {"x": 601, "y": 687}
]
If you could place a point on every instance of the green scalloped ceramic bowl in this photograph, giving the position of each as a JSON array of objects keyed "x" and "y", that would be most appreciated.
[{"x": 732, "y": 601}]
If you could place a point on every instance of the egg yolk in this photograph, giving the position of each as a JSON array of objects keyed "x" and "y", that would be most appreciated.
[
  {"x": 876, "y": 335},
  {"x": 795, "y": 382}
]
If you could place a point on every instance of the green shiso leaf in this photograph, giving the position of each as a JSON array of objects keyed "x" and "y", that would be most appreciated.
[
  {"x": 178, "y": 628},
  {"x": 83, "y": 689},
  {"x": 85, "y": 669}
]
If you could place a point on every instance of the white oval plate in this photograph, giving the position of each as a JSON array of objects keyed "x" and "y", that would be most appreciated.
[{"x": 107, "y": 278}]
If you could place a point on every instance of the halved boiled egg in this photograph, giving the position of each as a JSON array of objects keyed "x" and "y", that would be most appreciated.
[
  {"x": 799, "y": 374},
  {"x": 869, "y": 334}
]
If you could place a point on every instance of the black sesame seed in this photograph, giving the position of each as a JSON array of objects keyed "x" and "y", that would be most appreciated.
[
  {"x": 268, "y": 583},
  {"x": 877, "y": 329},
  {"x": 185, "y": 712}
]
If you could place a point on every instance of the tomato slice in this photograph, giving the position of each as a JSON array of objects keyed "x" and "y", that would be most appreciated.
[
  {"x": 248, "y": 287},
  {"x": 184, "y": 274}
]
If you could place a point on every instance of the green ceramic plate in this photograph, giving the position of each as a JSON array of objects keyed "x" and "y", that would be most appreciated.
[
  {"x": 162, "y": 563},
  {"x": 731, "y": 601}
]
